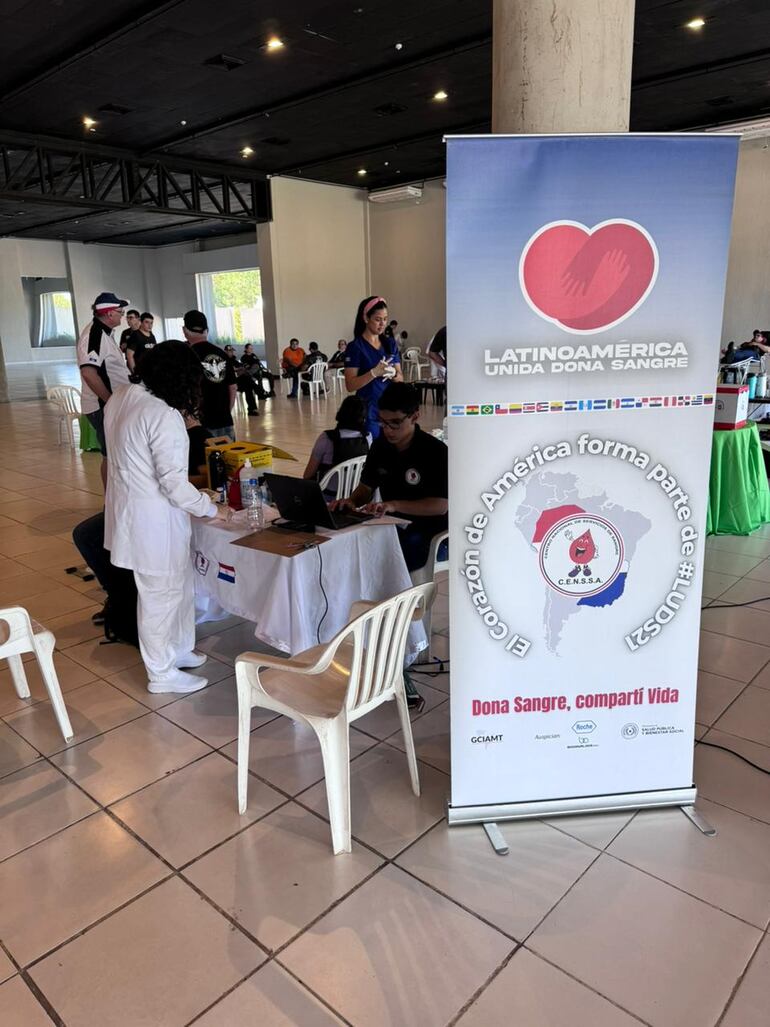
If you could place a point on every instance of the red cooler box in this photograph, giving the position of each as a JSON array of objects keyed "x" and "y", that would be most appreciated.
[{"x": 732, "y": 408}]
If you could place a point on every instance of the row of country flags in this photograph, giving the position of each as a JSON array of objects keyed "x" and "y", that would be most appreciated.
[{"x": 569, "y": 406}]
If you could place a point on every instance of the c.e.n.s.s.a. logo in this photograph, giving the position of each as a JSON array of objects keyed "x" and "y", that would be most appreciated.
[
  {"x": 586, "y": 280},
  {"x": 581, "y": 555}
]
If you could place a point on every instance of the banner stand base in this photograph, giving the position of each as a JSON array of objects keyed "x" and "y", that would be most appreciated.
[
  {"x": 684, "y": 797},
  {"x": 700, "y": 821}
]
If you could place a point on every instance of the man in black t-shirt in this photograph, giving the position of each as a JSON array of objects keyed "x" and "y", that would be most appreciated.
[
  {"x": 133, "y": 322},
  {"x": 437, "y": 348},
  {"x": 218, "y": 388},
  {"x": 409, "y": 467},
  {"x": 140, "y": 340}
]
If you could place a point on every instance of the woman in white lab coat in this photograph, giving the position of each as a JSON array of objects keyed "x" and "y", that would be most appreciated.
[{"x": 148, "y": 507}]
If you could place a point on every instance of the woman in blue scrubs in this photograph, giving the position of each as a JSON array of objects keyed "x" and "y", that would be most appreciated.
[{"x": 371, "y": 359}]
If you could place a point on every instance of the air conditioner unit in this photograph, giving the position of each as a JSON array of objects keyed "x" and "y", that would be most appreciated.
[
  {"x": 751, "y": 128},
  {"x": 396, "y": 194}
]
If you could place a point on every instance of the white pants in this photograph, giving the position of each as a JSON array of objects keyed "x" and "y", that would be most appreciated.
[{"x": 166, "y": 620}]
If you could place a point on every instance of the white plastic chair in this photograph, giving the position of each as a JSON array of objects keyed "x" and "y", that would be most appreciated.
[
  {"x": 338, "y": 381},
  {"x": 328, "y": 688},
  {"x": 416, "y": 362},
  {"x": 27, "y": 636},
  {"x": 316, "y": 382},
  {"x": 348, "y": 474},
  {"x": 433, "y": 566},
  {"x": 66, "y": 399}
]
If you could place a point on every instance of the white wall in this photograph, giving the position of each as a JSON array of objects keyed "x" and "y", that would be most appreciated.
[
  {"x": 747, "y": 300},
  {"x": 314, "y": 263},
  {"x": 407, "y": 251}
]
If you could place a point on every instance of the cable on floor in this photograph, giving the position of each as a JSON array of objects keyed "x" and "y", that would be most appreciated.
[
  {"x": 713, "y": 745},
  {"x": 730, "y": 606}
]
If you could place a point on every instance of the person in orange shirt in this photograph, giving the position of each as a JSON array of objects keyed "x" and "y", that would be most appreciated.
[{"x": 293, "y": 359}]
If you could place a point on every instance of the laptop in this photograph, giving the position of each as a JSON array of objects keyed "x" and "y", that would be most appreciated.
[{"x": 301, "y": 504}]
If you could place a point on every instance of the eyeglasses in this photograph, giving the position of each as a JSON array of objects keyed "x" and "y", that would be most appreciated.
[{"x": 396, "y": 423}]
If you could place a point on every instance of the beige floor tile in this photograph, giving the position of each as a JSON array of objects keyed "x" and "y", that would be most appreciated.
[
  {"x": 165, "y": 958},
  {"x": 595, "y": 829},
  {"x": 216, "y": 627},
  {"x": 746, "y": 545},
  {"x": 437, "y": 681},
  {"x": 104, "y": 660},
  {"x": 77, "y": 877},
  {"x": 749, "y": 1007},
  {"x": 288, "y": 756},
  {"x": 212, "y": 714},
  {"x": 421, "y": 956},
  {"x": 55, "y": 603},
  {"x": 17, "y": 589},
  {"x": 747, "y": 590},
  {"x": 70, "y": 674},
  {"x": 714, "y": 696},
  {"x": 386, "y": 813},
  {"x": 530, "y": 992},
  {"x": 730, "y": 657},
  {"x": 760, "y": 572},
  {"x": 110, "y": 767},
  {"x": 190, "y": 811},
  {"x": 15, "y": 753},
  {"x": 383, "y": 721},
  {"x": 731, "y": 870},
  {"x": 431, "y": 738},
  {"x": 7, "y": 969},
  {"x": 514, "y": 893},
  {"x": 714, "y": 584},
  {"x": 700, "y": 730},
  {"x": 227, "y": 644},
  {"x": 36, "y": 802},
  {"x": 749, "y": 716},
  {"x": 723, "y": 562},
  {"x": 762, "y": 680},
  {"x": 279, "y": 874},
  {"x": 52, "y": 558},
  {"x": 725, "y": 779},
  {"x": 682, "y": 962},
  {"x": 133, "y": 681},
  {"x": 72, "y": 628},
  {"x": 19, "y": 1007},
  {"x": 92, "y": 709},
  {"x": 742, "y": 622},
  {"x": 272, "y": 998}
]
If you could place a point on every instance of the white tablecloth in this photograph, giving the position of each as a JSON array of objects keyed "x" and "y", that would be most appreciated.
[{"x": 283, "y": 595}]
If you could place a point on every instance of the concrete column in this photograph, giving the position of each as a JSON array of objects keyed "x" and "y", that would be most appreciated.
[{"x": 561, "y": 65}]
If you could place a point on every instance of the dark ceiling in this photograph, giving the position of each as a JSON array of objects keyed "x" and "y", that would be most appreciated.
[{"x": 338, "y": 97}]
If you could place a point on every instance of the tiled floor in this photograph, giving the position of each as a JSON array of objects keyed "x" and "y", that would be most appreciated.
[{"x": 132, "y": 892}]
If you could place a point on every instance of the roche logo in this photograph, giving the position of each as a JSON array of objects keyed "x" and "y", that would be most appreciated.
[{"x": 584, "y": 727}]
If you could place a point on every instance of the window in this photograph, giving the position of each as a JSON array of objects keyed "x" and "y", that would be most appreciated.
[
  {"x": 173, "y": 328},
  {"x": 232, "y": 303},
  {"x": 57, "y": 323}
]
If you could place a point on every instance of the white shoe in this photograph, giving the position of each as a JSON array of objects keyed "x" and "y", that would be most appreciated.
[
  {"x": 180, "y": 682},
  {"x": 191, "y": 660}
]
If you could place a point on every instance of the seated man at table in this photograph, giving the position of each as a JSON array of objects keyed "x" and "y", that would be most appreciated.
[{"x": 409, "y": 467}]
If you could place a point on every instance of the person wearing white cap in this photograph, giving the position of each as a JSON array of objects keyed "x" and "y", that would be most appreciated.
[{"x": 102, "y": 365}]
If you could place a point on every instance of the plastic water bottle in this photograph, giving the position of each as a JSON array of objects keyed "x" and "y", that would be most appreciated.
[{"x": 251, "y": 497}]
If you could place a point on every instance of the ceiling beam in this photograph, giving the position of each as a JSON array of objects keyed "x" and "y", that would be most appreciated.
[
  {"x": 93, "y": 43},
  {"x": 696, "y": 70},
  {"x": 396, "y": 67},
  {"x": 181, "y": 223},
  {"x": 52, "y": 223}
]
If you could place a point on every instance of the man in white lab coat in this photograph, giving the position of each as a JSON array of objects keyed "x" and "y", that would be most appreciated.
[{"x": 148, "y": 508}]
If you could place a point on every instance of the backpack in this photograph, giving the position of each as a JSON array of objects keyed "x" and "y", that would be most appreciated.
[{"x": 120, "y": 608}]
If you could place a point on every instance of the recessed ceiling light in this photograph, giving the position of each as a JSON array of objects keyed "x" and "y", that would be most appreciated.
[
  {"x": 399, "y": 46},
  {"x": 362, "y": 171},
  {"x": 89, "y": 123},
  {"x": 387, "y": 163},
  {"x": 183, "y": 122},
  {"x": 274, "y": 43},
  {"x": 440, "y": 95},
  {"x": 696, "y": 24},
  {"x": 246, "y": 151}
]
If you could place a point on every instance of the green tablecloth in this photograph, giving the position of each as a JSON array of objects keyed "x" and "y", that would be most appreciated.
[
  {"x": 89, "y": 443},
  {"x": 739, "y": 498}
]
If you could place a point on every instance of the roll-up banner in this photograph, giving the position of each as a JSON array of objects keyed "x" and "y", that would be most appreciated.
[{"x": 585, "y": 286}]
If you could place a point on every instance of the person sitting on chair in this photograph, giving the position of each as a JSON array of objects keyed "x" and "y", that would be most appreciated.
[
  {"x": 409, "y": 467},
  {"x": 345, "y": 442},
  {"x": 337, "y": 358},
  {"x": 258, "y": 372},
  {"x": 243, "y": 381}
]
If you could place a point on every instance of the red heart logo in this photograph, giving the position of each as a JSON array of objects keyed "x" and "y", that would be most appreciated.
[{"x": 588, "y": 279}]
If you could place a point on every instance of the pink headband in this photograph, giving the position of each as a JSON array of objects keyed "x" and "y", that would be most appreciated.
[{"x": 371, "y": 304}]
